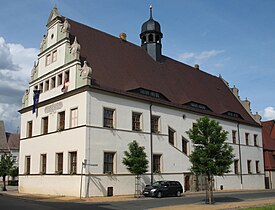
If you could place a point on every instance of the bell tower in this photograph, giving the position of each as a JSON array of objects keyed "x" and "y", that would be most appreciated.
[{"x": 151, "y": 37}]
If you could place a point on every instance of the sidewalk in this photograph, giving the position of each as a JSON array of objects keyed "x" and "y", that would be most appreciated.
[{"x": 12, "y": 191}]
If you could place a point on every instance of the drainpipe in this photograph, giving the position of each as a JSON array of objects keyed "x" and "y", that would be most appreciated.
[
  {"x": 151, "y": 145},
  {"x": 240, "y": 156}
]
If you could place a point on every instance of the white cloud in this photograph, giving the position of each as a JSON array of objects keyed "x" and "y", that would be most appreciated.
[
  {"x": 16, "y": 63},
  {"x": 269, "y": 113},
  {"x": 191, "y": 57}
]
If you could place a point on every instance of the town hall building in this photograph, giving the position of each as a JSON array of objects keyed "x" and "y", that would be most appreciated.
[{"x": 91, "y": 94}]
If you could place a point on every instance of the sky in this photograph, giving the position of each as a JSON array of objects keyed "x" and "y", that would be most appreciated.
[{"x": 231, "y": 38}]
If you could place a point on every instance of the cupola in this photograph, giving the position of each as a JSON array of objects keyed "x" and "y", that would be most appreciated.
[{"x": 151, "y": 37}]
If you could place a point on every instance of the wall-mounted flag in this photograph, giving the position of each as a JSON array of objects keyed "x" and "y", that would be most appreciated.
[
  {"x": 65, "y": 86},
  {"x": 36, "y": 94}
]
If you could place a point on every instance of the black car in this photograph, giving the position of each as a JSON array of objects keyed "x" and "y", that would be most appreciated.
[{"x": 163, "y": 188}]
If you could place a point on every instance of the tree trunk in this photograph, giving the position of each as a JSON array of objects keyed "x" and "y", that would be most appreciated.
[
  {"x": 209, "y": 190},
  {"x": 4, "y": 181}
]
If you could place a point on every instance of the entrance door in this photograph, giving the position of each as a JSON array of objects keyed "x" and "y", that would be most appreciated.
[{"x": 186, "y": 183}]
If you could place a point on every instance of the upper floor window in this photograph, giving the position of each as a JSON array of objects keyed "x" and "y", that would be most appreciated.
[
  {"x": 59, "y": 79},
  {"x": 43, "y": 164},
  {"x": 108, "y": 162},
  {"x": 155, "y": 124},
  {"x": 41, "y": 87},
  {"x": 54, "y": 56},
  {"x": 67, "y": 76},
  {"x": 47, "y": 85},
  {"x": 73, "y": 162},
  {"x": 48, "y": 59},
  {"x": 156, "y": 163},
  {"x": 45, "y": 124},
  {"x": 256, "y": 140},
  {"x": 29, "y": 129},
  {"x": 171, "y": 136},
  {"x": 247, "y": 138},
  {"x": 74, "y": 117},
  {"x": 234, "y": 138},
  {"x": 52, "y": 82},
  {"x": 184, "y": 145},
  {"x": 108, "y": 120},
  {"x": 61, "y": 121},
  {"x": 136, "y": 121}
]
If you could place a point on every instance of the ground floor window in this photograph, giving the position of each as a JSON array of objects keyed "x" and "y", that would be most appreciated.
[
  {"x": 43, "y": 164},
  {"x": 27, "y": 164},
  {"x": 59, "y": 163},
  {"x": 156, "y": 163},
  {"x": 73, "y": 162},
  {"x": 108, "y": 162}
]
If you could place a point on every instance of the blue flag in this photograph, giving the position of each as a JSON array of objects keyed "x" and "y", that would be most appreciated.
[{"x": 36, "y": 94}]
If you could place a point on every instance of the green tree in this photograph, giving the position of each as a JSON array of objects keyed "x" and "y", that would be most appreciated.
[
  {"x": 211, "y": 156},
  {"x": 136, "y": 161},
  {"x": 6, "y": 166}
]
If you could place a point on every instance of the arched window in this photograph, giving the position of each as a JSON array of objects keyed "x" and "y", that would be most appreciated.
[{"x": 150, "y": 37}]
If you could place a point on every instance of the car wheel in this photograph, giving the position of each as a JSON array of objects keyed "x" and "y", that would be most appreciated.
[
  {"x": 178, "y": 194},
  {"x": 159, "y": 194}
]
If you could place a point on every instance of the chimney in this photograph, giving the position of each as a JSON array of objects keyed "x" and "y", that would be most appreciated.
[{"x": 123, "y": 36}]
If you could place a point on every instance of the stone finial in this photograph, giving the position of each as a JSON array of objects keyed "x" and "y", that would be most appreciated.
[
  {"x": 235, "y": 91},
  {"x": 123, "y": 36},
  {"x": 34, "y": 71},
  {"x": 43, "y": 42},
  {"x": 246, "y": 105},
  {"x": 86, "y": 71},
  {"x": 65, "y": 26},
  {"x": 75, "y": 49},
  {"x": 25, "y": 98},
  {"x": 197, "y": 66},
  {"x": 257, "y": 117}
]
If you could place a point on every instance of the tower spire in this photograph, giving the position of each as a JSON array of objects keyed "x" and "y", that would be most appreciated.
[{"x": 151, "y": 12}]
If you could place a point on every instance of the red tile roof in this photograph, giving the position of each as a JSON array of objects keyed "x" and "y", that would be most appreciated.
[{"x": 121, "y": 65}]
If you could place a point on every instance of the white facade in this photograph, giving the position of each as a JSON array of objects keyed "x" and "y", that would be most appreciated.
[{"x": 84, "y": 134}]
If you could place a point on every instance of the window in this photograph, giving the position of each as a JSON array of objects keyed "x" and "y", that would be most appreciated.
[
  {"x": 41, "y": 87},
  {"x": 236, "y": 166},
  {"x": 61, "y": 121},
  {"x": 150, "y": 37},
  {"x": 74, "y": 117},
  {"x": 256, "y": 140},
  {"x": 48, "y": 59},
  {"x": 45, "y": 125},
  {"x": 52, "y": 82},
  {"x": 184, "y": 145},
  {"x": 47, "y": 85},
  {"x": 247, "y": 138},
  {"x": 136, "y": 118},
  {"x": 59, "y": 79},
  {"x": 108, "y": 162},
  {"x": 155, "y": 124},
  {"x": 43, "y": 161},
  {"x": 59, "y": 163},
  {"x": 54, "y": 56},
  {"x": 234, "y": 139},
  {"x": 249, "y": 166},
  {"x": 108, "y": 120},
  {"x": 67, "y": 75},
  {"x": 257, "y": 166},
  {"x": 171, "y": 136},
  {"x": 156, "y": 163},
  {"x": 29, "y": 129},
  {"x": 27, "y": 164},
  {"x": 72, "y": 162}
]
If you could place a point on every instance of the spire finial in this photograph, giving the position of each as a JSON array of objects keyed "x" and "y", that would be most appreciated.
[{"x": 151, "y": 12}]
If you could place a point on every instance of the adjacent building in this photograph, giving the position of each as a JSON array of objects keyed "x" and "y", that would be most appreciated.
[
  {"x": 269, "y": 153},
  {"x": 91, "y": 94}
]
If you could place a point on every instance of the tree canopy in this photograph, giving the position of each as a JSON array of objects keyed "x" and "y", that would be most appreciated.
[
  {"x": 135, "y": 159},
  {"x": 6, "y": 166}
]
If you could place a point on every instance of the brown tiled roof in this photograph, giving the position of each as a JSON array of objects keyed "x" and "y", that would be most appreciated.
[
  {"x": 268, "y": 133},
  {"x": 121, "y": 65},
  {"x": 13, "y": 140}
]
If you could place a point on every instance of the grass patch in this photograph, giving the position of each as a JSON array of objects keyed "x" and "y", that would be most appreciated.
[{"x": 271, "y": 207}]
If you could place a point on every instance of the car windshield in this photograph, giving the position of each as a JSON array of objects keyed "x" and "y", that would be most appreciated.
[{"x": 156, "y": 184}]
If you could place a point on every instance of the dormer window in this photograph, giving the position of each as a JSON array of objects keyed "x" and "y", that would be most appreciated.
[
  {"x": 233, "y": 114},
  {"x": 198, "y": 106},
  {"x": 149, "y": 93}
]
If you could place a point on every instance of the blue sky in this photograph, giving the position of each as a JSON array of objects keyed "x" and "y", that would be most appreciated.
[{"x": 234, "y": 38}]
